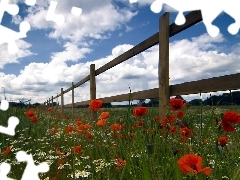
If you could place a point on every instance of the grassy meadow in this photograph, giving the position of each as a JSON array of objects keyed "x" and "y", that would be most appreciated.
[{"x": 129, "y": 143}]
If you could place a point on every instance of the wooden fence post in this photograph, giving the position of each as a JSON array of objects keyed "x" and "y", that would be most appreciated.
[
  {"x": 49, "y": 103},
  {"x": 52, "y": 101},
  {"x": 62, "y": 103},
  {"x": 72, "y": 99},
  {"x": 163, "y": 66},
  {"x": 93, "y": 90}
]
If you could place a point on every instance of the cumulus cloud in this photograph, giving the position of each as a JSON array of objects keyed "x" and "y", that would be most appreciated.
[
  {"x": 201, "y": 57},
  {"x": 93, "y": 24},
  {"x": 97, "y": 18},
  {"x": 7, "y": 58},
  {"x": 71, "y": 53}
]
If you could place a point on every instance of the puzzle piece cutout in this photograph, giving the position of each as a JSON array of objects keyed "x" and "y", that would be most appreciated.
[
  {"x": 10, "y": 8},
  {"x": 4, "y": 105},
  {"x": 4, "y": 170},
  {"x": 12, "y": 121},
  {"x": 59, "y": 18},
  {"x": 209, "y": 14},
  {"x": 31, "y": 171},
  {"x": 7, "y": 35}
]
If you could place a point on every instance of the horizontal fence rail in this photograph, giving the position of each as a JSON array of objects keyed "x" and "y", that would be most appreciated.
[{"x": 222, "y": 83}]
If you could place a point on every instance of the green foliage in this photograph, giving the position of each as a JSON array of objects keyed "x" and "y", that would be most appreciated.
[
  {"x": 224, "y": 99},
  {"x": 152, "y": 153}
]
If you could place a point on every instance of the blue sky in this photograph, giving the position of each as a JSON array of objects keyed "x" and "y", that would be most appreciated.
[{"x": 53, "y": 56}]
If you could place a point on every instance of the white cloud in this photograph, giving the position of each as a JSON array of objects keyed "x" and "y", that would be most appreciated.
[
  {"x": 7, "y": 58},
  {"x": 200, "y": 58},
  {"x": 93, "y": 24},
  {"x": 71, "y": 53},
  {"x": 97, "y": 18}
]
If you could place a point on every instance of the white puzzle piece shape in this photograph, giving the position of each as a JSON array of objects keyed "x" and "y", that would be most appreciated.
[
  {"x": 7, "y": 35},
  {"x": 12, "y": 121},
  {"x": 59, "y": 19},
  {"x": 4, "y": 170},
  {"x": 31, "y": 171}
]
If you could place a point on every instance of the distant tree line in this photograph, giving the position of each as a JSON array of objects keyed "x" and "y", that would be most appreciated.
[{"x": 232, "y": 98}]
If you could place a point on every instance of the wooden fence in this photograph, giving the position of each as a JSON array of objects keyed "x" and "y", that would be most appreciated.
[{"x": 228, "y": 82}]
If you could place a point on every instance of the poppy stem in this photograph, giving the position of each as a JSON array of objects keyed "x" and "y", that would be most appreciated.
[
  {"x": 201, "y": 116},
  {"x": 3, "y": 140},
  {"x": 30, "y": 127},
  {"x": 129, "y": 110}
]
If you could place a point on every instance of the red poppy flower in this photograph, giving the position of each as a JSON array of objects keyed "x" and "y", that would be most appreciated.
[
  {"x": 161, "y": 125},
  {"x": 165, "y": 120},
  {"x": 172, "y": 118},
  {"x": 120, "y": 163},
  {"x": 59, "y": 152},
  {"x": 115, "y": 127},
  {"x": 191, "y": 163},
  {"x": 50, "y": 109},
  {"x": 223, "y": 140},
  {"x": 62, "y": 154},
  {"x": 185, "y": 132},
  {"x": 59, "y": 116},
  {"x": 81, "y": 128},
  {"x": 104, "y": 115},
  {"x": 134, "y": 126},
  {"x": 6, "y": 151},
  {"x": 140, "y": 111},
  {"x": 89, "y": 135},
  {"x": 229, "y": 118},
  {"x": 77, "y": 149},
  {"x": 173, "y": 129},
  {"x": 53, "y": 131},
  {"x": 101, "y": 122},
  {"x": 132, "y": 135},
  {"x": 180, "y": 114},
  {"x": 30, "y": 113},
  {"x": 95, "y": 104},
  {"x": 176, "y": 104},
  {"x": 69, "y": 129},
  {"x": 86, "y": 126},
  {"x": 78, "y": 122},
  {"x": 34, "y": 119},
  {"x": 140, "y": 123}
]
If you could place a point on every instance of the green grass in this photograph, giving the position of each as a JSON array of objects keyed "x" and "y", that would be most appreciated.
[{"x": 152, "y": 154}]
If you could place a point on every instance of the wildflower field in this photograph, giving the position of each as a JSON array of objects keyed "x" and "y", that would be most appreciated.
[{"x": 131, "y": 143}]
